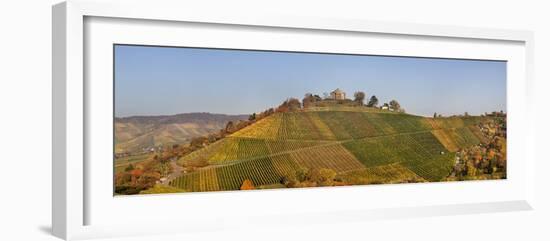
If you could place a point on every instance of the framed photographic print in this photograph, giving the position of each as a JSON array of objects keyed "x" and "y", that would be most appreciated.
[
  {"x": 252, "y": 119},
  {"x": 199, "y": 120}
]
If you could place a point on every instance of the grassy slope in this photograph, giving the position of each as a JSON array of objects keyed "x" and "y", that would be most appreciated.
[{"x": 359, "y": 145}]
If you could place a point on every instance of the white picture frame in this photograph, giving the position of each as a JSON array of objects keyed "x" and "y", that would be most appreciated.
[{"x": 74, "y": 109}]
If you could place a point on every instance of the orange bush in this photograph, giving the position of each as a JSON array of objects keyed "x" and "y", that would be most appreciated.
[{"x": 247, "y": 185}]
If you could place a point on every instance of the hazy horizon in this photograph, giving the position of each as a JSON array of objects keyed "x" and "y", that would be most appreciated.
[{"x": 152, "y": 81}]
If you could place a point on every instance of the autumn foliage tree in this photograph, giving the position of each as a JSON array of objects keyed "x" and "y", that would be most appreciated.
[
  {"x": 308, "y": 100},
  {"x": 486, "y": 160},
  {"x": 291, "y": 104},
  {"x": 294, "y": 104},
  {"x": 229, "y": 127},
  {"x": 198, "y": 141},
  {"x": 325, "y": 177},
  {"x": 310, "y": 178},
  {"x": 247, "y": 185}
]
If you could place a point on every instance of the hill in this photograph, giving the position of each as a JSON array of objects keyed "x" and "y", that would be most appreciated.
[
  {"x": 133, "y": 134},
  {"x": 361, "y": 145}
]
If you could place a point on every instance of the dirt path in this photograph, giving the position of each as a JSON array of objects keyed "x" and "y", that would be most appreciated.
[{"x": 176, "y": 172}]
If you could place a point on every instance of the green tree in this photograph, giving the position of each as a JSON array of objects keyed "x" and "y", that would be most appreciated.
[{"x": 373, "y": 101}]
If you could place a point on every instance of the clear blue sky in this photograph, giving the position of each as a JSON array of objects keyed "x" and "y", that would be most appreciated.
[{"x": 167, "y": 80}]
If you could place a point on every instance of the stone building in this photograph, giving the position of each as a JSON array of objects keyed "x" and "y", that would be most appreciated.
[{"x": 338, "y": 94}]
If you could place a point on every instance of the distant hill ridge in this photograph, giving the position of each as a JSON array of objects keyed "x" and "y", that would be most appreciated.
[
  {"x": 180, "y": 118},
  {"x": 140, "y": 133}
]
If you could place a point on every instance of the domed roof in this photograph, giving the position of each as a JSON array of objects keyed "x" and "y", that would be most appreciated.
[{"x": 337, "y": 91}]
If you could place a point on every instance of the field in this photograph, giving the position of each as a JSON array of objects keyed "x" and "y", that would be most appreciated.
[{"x": 361, "y": 145}]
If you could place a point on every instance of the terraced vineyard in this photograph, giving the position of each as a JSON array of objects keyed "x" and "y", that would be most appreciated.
[
  {"x": 362, "y": 146},
  {"x": 233, "y": 149},
  {"x": 349, "y": 124},
  {"x": 391, "y": 173},
  {"x": 262, "y": 171},
  {"x": 267, "y": 128},
  {"x": 454, "y": 139},
  {"x": 334, "y": 157}
]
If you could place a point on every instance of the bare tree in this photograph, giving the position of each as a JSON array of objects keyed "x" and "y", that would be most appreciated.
[
  {"x": 294, "y": 104},
  {"x": 395, "y": 105},
  {"x": 359, "y": 97},
  {"x": 308, "y": 100}
]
